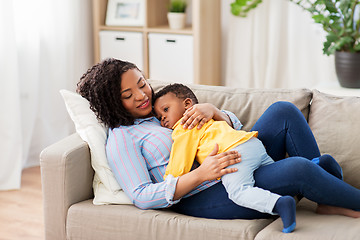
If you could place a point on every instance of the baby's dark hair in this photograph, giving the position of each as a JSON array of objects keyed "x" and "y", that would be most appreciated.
[
  {"x": 181, "y": 91},
  {"x": 101, "y": 86}
]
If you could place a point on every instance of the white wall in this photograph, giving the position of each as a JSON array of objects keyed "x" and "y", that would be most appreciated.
[
  {"x": 277, "y": 45},
  {"x": 225, "y": 15}
]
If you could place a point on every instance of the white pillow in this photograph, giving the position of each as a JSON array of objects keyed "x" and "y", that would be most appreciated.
[{"x": 106, "y": 188}]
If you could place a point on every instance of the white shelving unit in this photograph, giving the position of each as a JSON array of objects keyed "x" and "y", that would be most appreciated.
[{"x": 200, "y": 58}]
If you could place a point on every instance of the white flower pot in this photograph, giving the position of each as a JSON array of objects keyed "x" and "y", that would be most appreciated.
[{"x": 176, "y": 20}]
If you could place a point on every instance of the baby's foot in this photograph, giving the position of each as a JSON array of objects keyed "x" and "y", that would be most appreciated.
[
  {"x": 329, "y": 164},
  {"x": 286, "y": 207}
]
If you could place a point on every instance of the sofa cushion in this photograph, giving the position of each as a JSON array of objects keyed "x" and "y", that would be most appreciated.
[
  {"x": 247, "y": 104},
  {"x": 312, "y": 226},
  {"x": 128, "y": 222},
  {"x": 335, "y": 122}
]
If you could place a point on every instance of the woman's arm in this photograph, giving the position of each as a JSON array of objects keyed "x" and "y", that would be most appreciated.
[
  {"x": 131, "y": 172},
  {"x": 199, "y": 114},
  {"x": 213, "y": 167}
]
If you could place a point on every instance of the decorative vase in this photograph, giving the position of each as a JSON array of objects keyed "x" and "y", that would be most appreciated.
[
  {"x": 347, "y": 67},
  {"x": 176, "y": 20}
]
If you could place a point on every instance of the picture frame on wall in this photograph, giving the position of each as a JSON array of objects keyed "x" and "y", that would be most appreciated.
[{"x": 125, "y": 13}]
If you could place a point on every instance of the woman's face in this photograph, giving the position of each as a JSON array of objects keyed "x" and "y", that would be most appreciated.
[{"x": 136, "y": 94}]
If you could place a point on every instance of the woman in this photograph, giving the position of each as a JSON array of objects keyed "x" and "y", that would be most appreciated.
[{"x": 138, "y": 151}]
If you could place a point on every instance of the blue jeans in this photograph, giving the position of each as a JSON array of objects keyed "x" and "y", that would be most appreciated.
[{"x": 282, "y": 129}]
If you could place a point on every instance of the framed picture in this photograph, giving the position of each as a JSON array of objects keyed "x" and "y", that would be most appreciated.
[{"x": 125, "y": 13}]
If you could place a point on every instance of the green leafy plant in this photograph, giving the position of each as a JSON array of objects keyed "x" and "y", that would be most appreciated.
[
  {"x": 178, "y": 6},
  {"x": 339, "y": 18},
  {"x": 242, "y": 7}
]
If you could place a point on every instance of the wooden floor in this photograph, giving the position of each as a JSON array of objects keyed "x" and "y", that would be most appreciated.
[{"x": 21, "y": 211}]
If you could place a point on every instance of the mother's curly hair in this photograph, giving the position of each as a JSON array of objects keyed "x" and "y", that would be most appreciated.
[{"x": 101, "y": 86}]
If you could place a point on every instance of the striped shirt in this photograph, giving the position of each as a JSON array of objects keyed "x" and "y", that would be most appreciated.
[{"x": 138, "y": 156}]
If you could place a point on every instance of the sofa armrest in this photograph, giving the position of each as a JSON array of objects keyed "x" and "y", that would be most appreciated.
[{"x": 66, "y": 176}]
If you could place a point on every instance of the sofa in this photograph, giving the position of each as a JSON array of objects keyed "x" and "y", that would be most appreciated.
[{"x": 67, "y": 178}]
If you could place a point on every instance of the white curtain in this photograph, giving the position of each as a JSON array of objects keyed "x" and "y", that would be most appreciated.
[
  {"x": 45, "y": 45},
  {"x": 276, "y": 46}
]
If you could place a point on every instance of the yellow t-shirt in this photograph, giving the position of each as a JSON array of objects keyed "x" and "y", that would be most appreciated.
[{"x": 198, "y": 143}]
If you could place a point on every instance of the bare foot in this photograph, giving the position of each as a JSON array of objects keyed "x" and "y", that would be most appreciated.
[{"x": 332, "y": 210}]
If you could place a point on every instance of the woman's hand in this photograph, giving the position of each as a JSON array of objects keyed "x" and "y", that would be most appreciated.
[
  {"x": 214, "y": 165},
  {"x": 199, "y": 114},
  {"x": 212, "y": 168}
]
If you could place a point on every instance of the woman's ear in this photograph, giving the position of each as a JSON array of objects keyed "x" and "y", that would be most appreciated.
[{"x": 188, "y": 103}]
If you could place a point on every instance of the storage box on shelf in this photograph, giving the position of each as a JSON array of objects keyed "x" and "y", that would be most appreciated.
[
  {"x": 122, "y": 45},
  {"x": 171, "y": 57},
  {"x": 200, "y": 59}
]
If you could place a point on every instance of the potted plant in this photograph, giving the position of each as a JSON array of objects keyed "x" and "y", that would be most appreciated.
[
  {"x": 176, "y": 15},
  {"x": 341, "y": 20}
]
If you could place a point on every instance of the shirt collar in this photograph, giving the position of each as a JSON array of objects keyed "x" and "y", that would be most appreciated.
[{"x": 141, "y": 120}]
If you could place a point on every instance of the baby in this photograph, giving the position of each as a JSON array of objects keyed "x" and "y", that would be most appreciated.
[{"x": 170, "y": 103}]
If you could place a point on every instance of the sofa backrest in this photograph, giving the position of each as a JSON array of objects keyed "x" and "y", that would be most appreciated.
[{"x": 247, "y": 104}]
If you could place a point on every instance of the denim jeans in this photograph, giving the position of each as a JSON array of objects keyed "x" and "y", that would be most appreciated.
[{"x": 282, "y": 129}]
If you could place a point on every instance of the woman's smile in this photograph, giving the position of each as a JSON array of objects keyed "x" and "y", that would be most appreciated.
[{"x": 145, "y": 104}]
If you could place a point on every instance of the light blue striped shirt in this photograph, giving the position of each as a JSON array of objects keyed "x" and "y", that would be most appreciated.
[{"x": 138, "y": 156}]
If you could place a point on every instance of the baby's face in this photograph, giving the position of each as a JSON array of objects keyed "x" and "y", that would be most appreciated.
[{"x": 169, "y": 109}]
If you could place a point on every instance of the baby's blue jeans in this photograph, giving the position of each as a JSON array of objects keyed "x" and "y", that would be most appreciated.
[{"x": 282, "y": 129}]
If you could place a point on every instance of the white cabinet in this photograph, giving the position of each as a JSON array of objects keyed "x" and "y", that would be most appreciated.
[
  {"x": 127, "y": 46},
  {"x": 200, "y": 57},
  {"x": 171, "y": 57}
]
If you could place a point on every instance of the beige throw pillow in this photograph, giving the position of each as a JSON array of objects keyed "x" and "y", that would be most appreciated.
[{"x": 335, "y": 122}]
